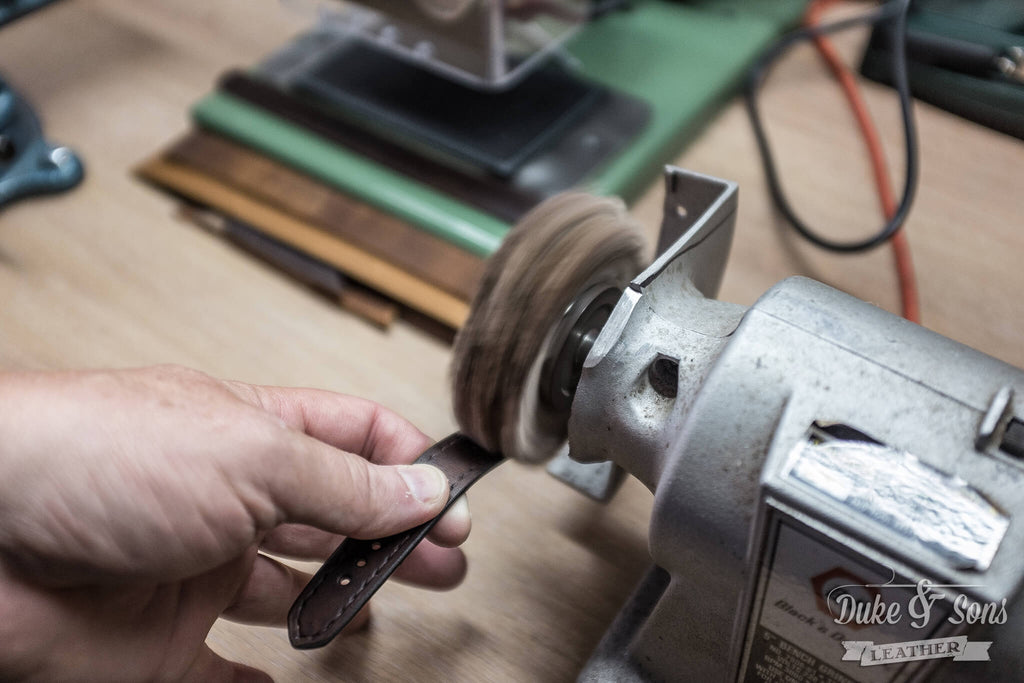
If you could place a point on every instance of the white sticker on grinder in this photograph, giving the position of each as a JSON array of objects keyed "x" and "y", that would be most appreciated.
[{"x": 895, "y": 490}]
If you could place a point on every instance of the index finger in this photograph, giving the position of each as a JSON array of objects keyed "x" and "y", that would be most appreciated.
[{"x": 349, "y": 423}]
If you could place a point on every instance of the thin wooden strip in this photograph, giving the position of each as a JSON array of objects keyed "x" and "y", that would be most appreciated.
[
  {"x": 362, "y": 266},
  {"x": 423, "y": 255},
  {"x": 353, "y": 297},
  {"x": 368, "y": 305}
]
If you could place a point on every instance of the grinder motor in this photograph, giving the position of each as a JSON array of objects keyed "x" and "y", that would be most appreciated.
[{"x": 838, "y": 492}]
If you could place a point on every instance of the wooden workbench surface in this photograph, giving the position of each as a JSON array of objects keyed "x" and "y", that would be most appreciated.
[{"x": 106, "y": 276}]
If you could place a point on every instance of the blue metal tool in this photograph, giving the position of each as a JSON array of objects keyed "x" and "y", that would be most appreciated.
[{"x": 29, "y": 165}]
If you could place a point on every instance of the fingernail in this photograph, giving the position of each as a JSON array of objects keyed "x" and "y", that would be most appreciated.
[{"x": 425, "y": 483}]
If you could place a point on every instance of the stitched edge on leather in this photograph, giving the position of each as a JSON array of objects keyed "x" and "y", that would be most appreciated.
[{"x": 401, "y": 545}]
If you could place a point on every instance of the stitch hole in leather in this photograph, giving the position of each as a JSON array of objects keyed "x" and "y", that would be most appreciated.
[
  {"x": 375, "y": 546},
  {"x": 361, "y": 563},
  {"x": 345, "y": 580}
]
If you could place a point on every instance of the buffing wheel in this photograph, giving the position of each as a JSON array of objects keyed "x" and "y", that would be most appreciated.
[{"x": 538, "y": 294}]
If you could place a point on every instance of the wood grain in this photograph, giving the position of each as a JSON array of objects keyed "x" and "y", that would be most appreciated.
[
  {"x": 353, "y": 297},
  {"x": 371, "y": 270},
  {"x": 415, "y": 251}
]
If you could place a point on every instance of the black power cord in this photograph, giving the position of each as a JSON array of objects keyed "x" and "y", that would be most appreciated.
[{"x": 894, "y": 11}]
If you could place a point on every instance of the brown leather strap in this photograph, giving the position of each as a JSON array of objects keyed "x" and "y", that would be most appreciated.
[{"x": 359, "y": 567}]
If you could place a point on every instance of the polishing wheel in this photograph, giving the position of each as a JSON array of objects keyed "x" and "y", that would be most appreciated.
[{"x": 544, "y": 297}]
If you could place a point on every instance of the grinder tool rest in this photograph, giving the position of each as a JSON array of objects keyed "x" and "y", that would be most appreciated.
[{"x": 811, "y": 456}]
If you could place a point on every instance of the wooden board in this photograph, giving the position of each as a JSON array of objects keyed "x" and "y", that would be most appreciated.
[
  {"x": 361, "y": 265},
  {"x": 422, "y": 255}
]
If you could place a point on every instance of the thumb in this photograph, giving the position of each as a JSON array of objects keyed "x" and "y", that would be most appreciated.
[{"x": 344, "y": 494}]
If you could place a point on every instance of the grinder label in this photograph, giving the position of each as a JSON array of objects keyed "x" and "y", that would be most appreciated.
[{"x": 813, "y": 595}]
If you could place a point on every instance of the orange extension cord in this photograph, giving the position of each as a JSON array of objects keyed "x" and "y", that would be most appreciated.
[{"x": 883, "y": 181}]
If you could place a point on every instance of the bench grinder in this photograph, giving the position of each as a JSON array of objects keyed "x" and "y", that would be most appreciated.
[
  {"x": 812, "y": 457},
  {"x": 838, "y": 493}
]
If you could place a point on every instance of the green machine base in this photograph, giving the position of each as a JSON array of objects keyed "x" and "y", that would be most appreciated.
[{"x": 682, "y": 59}]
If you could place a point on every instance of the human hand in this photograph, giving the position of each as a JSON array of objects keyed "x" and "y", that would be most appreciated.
[{"x": 134, "y": 504}]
